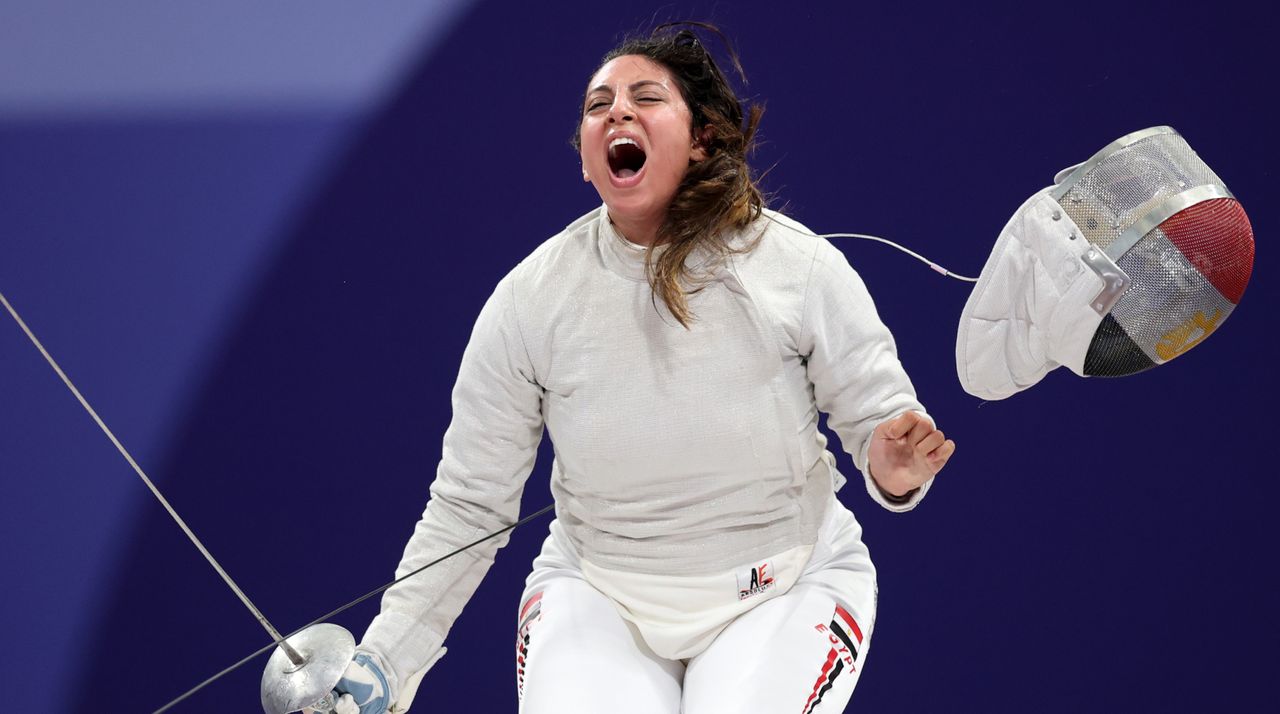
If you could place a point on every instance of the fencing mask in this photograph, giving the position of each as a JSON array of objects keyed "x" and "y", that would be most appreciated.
[{"x": 1131, "y": 259}]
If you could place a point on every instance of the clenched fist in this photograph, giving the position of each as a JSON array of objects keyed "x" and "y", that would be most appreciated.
[{"x": 906, "y": 452}]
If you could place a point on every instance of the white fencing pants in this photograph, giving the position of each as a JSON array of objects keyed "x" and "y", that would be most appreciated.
[{"x": 801, "y": 652}]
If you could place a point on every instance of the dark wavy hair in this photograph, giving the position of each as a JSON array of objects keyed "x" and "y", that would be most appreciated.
[{"x": 718, "y": 194}]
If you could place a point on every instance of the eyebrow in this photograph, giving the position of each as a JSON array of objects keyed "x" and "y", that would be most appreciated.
[{"x": 634, "y": 86}]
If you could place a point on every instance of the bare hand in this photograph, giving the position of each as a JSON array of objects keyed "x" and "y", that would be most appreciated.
[{"x": 906, "y": 452}]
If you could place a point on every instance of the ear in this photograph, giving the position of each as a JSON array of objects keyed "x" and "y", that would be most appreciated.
[{"x": 700, "y": 142}]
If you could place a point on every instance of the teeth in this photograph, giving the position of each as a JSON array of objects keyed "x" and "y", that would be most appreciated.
[{"x": 620, "y": 141}]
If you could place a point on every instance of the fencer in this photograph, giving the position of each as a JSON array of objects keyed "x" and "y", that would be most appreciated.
[{"x": 677, "y": 343}]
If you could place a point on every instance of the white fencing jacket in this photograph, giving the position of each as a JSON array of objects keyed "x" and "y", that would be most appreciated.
[{"x": 677, "y": 452}]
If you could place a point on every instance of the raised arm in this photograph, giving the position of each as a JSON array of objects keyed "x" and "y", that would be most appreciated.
[{"x": 858, "y": 381}]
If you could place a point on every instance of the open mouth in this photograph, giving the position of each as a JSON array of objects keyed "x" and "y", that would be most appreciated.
[{"x": 626, "y": 158}]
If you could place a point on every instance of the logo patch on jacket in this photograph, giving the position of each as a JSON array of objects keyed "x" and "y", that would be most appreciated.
[{"x": 755, "y": 580}]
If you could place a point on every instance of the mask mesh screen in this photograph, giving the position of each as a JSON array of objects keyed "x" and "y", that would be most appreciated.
[
  {"x": 1126, "y": 185},
  {"x": 1216, "y": 237},
  {"x": 1188, "y": 274},
  {"x": 1113, "y": 354}
]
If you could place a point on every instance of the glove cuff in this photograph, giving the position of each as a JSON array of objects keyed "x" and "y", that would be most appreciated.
[
  {"x": 374, "y": 663},
  {"x": 401, "y": 703}
]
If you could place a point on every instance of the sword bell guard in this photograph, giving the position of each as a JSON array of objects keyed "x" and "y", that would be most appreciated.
[{"x": 287, "y": 687}]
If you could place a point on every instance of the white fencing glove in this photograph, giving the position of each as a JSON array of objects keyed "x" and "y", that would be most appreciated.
[{"x": 363, "y": 688}]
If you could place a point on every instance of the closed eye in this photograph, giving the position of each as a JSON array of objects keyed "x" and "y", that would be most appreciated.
[{"x": 596, "y": 105}]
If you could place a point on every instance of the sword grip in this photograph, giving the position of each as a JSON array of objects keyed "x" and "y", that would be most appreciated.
[{"x": 327, "y": 705}]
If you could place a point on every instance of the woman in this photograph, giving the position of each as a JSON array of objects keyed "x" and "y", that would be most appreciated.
[{"x": 677, "y": 343}]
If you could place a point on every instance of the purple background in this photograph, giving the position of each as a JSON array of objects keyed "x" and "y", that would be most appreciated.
[{"x": 257, "y": 239}]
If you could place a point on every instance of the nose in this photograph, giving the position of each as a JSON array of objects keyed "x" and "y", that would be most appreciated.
[{"x": 620, "y": 110}]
